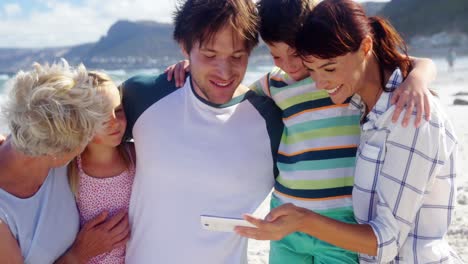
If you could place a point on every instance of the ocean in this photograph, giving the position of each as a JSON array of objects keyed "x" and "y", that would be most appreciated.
[
  {"x": 448, "y": 81},
  {"x": 254, "y": 72}
]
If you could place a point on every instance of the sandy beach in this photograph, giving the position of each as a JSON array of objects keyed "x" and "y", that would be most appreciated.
[{"x": 447, "y": 84}]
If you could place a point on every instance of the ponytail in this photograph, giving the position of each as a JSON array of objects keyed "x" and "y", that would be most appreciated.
[{"x": 389, "y": 48}]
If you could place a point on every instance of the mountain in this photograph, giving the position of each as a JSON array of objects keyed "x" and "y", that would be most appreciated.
[
  {"x": 142, "y": 39},
  {"x": 11, "y": 59},
  {"x": 133, "y": 44},
  {"x": 142, "y": 44},
  {"x": 148, "y": 44},
  {"x": 427, "y": 17},
  {"x": 127, "y": 45}
]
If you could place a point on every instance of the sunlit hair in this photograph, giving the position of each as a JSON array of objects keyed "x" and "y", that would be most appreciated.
[
  {"x": 337, "y": 27},
  {"x": 102, "y": 82},
  {"x": 281, "y": 19},
  {"x": 54, "y": 109},
  {"x": 198, "y": 21}
]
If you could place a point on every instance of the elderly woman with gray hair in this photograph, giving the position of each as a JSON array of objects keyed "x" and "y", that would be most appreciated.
[{"x": 52, "y": 112}]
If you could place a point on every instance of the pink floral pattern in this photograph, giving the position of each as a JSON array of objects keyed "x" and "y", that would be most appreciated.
[{"x": 98, "y": 194}]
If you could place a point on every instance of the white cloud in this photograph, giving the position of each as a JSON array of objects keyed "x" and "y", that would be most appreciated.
[
  {"x": 64, "y": 24},
  {"x": 160, "y": 10},
  {"x": 12, "y": 10}
]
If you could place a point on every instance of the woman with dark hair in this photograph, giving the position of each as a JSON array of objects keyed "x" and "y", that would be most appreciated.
[{"x": 404, "y": 189}]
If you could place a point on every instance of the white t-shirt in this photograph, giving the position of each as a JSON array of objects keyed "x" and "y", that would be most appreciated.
[{"x": 195, "y": 158}]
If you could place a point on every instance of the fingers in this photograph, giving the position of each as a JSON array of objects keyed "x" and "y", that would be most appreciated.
[
  {"x": 114, "y": 220},
  {"x": 249, "y": 232},
  {"x": 96, "y": 221},
  {"x": 170, "y": 72},
  {"x": 253, "y": 220},
  {"x": 396, "y": 95},
  {"x": 122, "y": 242},
  {"x": 419, "y": 113},
  {"x": 180, "y": 72},
  {"x": 177, "y": 74},
  {"x": 400, "y": 106},
  {"x": 277, "y": 212},
  {"x": 427, "y": 107},
  {"x": 408, "y": 113},
  {"x": 121, "y": 230}
]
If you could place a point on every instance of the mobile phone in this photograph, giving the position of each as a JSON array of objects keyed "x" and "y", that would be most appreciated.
[{"x": 222, "y": 224}]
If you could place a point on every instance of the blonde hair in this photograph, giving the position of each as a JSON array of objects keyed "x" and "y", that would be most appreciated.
[
  {"x": 54, "y": 109},
  {"x": 102, "y": 81}
]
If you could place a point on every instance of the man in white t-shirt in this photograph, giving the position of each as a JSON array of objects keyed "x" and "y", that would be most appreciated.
[{"x": 207, "y": 149}]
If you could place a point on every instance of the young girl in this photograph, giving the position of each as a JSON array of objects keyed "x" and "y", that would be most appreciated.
[{"x": 101, "y": 177}]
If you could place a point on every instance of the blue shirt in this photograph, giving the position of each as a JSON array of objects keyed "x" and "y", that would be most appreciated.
[{"x": 45, "y": 224}]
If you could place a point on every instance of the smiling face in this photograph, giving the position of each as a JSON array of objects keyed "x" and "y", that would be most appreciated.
[
  {"x": 341, "y": 76},
  {"x": 288, "y": 60},
  {"x": 218, "y": 65},
  {"x": 114, "y": 127}
]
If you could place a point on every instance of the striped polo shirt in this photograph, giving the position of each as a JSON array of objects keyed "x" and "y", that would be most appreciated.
[{"x": 317, "y": 152}]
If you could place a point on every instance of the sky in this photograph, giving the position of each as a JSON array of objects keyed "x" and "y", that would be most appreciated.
[{"x": 55, "y": 23}]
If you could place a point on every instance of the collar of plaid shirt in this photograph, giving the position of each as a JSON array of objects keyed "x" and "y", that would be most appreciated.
[{"x": 383, "y": 103}]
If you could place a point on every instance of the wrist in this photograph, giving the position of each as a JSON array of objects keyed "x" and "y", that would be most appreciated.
[
  {"x": 418, "y": 78},
  {"x": 76, "y": 256},
  {"x": 307, "y": 222}
]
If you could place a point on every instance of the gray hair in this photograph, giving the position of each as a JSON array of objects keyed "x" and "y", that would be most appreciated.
[{"x": 54, "y": 109}]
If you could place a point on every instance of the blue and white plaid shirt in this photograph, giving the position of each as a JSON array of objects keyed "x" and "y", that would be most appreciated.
[{"x": 405, "y": 183}]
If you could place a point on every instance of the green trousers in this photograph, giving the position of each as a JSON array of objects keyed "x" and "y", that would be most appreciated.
[{"x": 300, "y": 248}]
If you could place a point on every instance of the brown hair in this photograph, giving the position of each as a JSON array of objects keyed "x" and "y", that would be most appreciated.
[
  {"x": 337, "y": 27},
  {"x": 101, "y": 81},
  {"x": 281, "y": 19},
  {"x": 199, "y": 20}
]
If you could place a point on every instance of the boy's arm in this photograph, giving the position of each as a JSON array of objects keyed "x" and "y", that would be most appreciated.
[
  {"x": 262, "y": 86},
  {"x": 178, "y": 73},
  {"x": 414, "y": 91}
]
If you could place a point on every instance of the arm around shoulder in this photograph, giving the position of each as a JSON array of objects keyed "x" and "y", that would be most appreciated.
[{"x": 261, "y": 86}]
